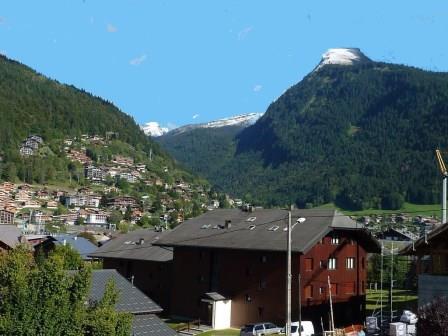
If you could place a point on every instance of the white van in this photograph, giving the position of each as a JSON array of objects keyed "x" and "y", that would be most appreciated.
[{"x": 307, "y": 328}]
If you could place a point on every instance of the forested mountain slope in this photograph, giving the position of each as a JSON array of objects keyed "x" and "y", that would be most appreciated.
[{"x": 361, "y": 134}]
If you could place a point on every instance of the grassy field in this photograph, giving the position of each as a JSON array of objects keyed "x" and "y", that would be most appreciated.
[
  {"x": 413, "y": 209},
  {"x": 402, "y": 299},
  {"x": 226, "y": 332}
]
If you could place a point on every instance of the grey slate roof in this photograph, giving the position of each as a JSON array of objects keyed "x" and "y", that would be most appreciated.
[
  {"x": 131, "y": 299},
  {"x": 208, "y": 230},
  {"x": 10, "y": 235},
  {"x": 143, "y": 325},
  {"x": 127, "y": 246},
  {"x": 80, "y": 244}
]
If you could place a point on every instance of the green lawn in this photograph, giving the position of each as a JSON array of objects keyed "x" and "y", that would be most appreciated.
[
  {"x": 226, "y": 332},
  {"x": 402, "y": 299},
  {"x": 413, "y": 209}
]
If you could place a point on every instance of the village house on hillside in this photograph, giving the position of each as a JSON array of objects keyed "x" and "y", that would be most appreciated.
[
  {"x": 229, "y": 266},
  {"x": 135, "y": 258}
]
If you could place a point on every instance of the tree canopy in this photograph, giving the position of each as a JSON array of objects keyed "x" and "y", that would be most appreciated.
[{"x": 43, "y": 298}]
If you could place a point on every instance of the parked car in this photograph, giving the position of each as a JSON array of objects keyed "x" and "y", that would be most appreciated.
[
  {"x": 259, "y": 329},
  {"x": 307, "y": 328}
]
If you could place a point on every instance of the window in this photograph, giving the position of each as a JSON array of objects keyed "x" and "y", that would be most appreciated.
[
  {"x": 331, "y": 263},
  {"x": 335, "y": 240},
  {"x": 248, "y": 298},
  {"x": 264, "y": 259},
  {"x": 322, "y": 290},
  {"x": 262, "y": 284},
  {"x": 308, "y": 292},
  {"x": 322, "y": 264},
  {"x": 308, "y": 264},
  {"x": 260, "y": 311},
  {"x": 258, "y": 328},
  {"x": 350, "y": 263}
]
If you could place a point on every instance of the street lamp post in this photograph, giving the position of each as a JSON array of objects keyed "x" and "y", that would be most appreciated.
[{"x": 289, "y": 276}]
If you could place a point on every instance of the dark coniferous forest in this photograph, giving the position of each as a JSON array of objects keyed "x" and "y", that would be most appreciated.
[{"x": 362, "y": 136}]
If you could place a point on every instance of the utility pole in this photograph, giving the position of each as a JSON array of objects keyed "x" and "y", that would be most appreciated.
[
  {"x": 300, "y": 304},
  {"x": 288, "y": 278},
  {"x": 381, "y": 289},
  {"x": 331, "y": 305},
  {"x": 391, "y": 282}
]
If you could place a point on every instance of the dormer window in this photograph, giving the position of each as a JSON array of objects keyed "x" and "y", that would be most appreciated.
[{"x": 335, "y": 240}]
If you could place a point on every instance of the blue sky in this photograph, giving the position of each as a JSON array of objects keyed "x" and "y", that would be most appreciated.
[{"x": 180, "y": 62}]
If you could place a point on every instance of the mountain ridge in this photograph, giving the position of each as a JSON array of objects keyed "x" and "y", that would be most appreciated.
[{"x": 356, "y": 135}]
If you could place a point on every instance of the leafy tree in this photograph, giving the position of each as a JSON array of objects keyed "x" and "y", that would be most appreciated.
[
  {"x": 70, "y": 257},
  {"x": 115, "y": 217},
  {"x": 433, "y": 318},
  {"x": 44, "y": 299}
]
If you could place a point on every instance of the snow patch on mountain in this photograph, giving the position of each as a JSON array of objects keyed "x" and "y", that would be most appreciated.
[
  {"x": 342, "y": 56},
  {"x": 242, "y": 120},
  {"x": 154, "y": 129}
]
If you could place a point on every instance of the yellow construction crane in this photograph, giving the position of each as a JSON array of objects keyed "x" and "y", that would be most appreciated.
[{"x": 444, "y": 173}]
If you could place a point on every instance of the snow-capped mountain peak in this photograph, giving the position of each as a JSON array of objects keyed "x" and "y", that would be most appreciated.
[
  {"x": 242, "y": 120},
  {"x": 153, "y": 129},
  {"x": 342, "y": 56}
]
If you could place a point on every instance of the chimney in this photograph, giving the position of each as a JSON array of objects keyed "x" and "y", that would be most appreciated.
[{"x": 228, "y": 224}]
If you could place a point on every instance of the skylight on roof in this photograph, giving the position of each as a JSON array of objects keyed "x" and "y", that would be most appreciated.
[
  {"x": 251, "y": 219},
  {"x": 273, "y": 228},
  {"x": 251, "y": 227}
]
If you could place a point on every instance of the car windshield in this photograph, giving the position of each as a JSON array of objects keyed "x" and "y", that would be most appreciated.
[
  {"x": 295, "y": 329},
  {"x": 248, "y": 327}
]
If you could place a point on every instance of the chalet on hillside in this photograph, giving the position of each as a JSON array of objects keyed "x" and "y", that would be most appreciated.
[
  {"x": 6, "y": 217},
  {"x": 229, "y": 266},
  {"x": 121, "y": 202},
  {"x": 135, "y": 257},
  {"x": 431, "y": 252}
]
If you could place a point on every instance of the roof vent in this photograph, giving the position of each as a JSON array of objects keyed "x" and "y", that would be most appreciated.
[
  {"x": 251, "y": 219},
  {"x": 273, "y": 228},
  {"x": 251, "y": 227},
  {"x": 141, "y": 241},
  {"x": 206, "y": 226}
]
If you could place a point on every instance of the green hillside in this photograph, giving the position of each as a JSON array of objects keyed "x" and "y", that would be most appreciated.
[
  {"x": 32, "y": 104},
  {"x": 361, "y": 136}
]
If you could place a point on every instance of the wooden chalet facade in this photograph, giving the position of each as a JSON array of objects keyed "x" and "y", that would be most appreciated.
[
  {"x": 240, "y": 257},
  {"x": 431, "y": 252}
]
